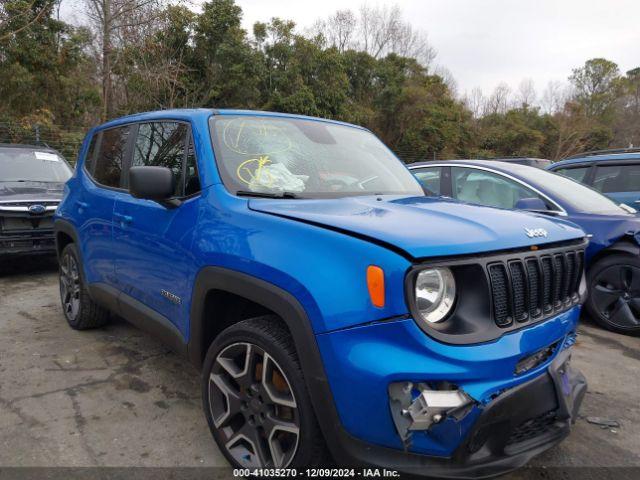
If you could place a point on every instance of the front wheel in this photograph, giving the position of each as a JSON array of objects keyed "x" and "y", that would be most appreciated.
[
  {"x": 255, "y": 398},
  {"x": 614, "y": 293}
]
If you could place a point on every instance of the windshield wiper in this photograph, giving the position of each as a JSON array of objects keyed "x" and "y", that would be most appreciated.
[{"x": 247, "y": 193}]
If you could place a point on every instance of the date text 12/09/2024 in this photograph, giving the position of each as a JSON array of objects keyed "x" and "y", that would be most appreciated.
[{"x": 316, "y": 473}]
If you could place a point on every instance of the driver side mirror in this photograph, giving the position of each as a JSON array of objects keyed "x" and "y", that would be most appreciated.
[
  {"x": 532, "y": 204},
  {"x": 153, "y": 183}
]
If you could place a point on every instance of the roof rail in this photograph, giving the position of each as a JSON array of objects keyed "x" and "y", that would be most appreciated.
[{"x": 606, "y": 151}]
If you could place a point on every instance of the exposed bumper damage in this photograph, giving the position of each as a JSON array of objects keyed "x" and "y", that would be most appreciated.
[
  {"x": 529, "y": 417},
  {"x": 457, "y": 412}
]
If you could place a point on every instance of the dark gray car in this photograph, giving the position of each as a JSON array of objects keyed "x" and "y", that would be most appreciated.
[{"x": 31, "y": 183}]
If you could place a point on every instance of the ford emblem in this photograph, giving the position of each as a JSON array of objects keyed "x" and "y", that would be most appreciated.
[{"x": 37, "y": 209}]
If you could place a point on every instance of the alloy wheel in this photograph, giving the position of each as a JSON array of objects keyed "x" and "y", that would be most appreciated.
[
  {"x": 616, "y": 295},
  {"x": 253, "y": 407},
  {"x": 70, "y": 286}
]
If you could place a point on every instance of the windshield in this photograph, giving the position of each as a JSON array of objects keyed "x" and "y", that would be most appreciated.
[
  {"x": 580, "y": 198},
  {"x": 307, "y": 158},
  {"x": 26, "y": 165}
]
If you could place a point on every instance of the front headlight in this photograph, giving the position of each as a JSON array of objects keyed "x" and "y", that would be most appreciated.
[{"x": 435, "y": 293}]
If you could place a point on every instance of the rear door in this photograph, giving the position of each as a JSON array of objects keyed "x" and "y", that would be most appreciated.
[
  {"x": 619, "y": 182},
  {"x": 102, "y": 185},
  {"x": 154, "y": 263}
]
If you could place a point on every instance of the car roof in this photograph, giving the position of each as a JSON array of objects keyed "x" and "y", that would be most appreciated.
[
  {"x": 610, "y": 157},
  {"x": 205, "y": 113},
  {"x": 496, "y": 164}
]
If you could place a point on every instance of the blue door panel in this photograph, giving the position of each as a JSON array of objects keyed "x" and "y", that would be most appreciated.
[{"x": 153, "y": 259}]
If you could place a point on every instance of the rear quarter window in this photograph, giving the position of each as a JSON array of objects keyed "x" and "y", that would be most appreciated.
[
  {"x": 108, "y": 162},
  {"x": 577, "y": 173}
]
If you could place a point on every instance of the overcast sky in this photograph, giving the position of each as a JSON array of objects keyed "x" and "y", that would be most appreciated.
[{"x": 485, "y": 42}]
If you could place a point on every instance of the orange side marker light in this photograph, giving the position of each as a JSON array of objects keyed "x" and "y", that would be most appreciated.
[{"x": 375, "y": 284}]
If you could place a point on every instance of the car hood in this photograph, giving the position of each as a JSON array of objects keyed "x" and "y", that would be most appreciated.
[
  {"x": 30, "y": 191},
  {"x": 423, "y": 226}
]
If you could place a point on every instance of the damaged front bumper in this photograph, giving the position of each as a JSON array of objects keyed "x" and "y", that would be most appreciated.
[{"x": 453, "y": 411}]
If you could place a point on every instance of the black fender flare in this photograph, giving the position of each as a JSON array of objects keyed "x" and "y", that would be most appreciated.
[
  {"x": 64, "y": 226},
  {"x": 287, "y": 307}
]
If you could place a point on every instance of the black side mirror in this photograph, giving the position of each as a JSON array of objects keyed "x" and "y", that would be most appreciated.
[
  {"x": 153, "y": 183},
  {"x": 532, "y": 204}
]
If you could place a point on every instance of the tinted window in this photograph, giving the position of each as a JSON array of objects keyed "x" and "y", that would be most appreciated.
[
  {"x": 487, "y": 188},
  {"x": 108, "y": 168},
  {"x": 429, "y": 178},
  {"x": 90, "y": 159},
  {"x": 27, "y": 165},
  {"x": 576, "y": 174},
  {"x": 161, "y": 144},
  {"x": 617, "y": 178}
]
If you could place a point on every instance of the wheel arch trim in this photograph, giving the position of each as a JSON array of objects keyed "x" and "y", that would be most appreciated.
[{"x": 289, "y": 309}]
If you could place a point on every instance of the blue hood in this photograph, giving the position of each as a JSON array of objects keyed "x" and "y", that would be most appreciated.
[{"x": 423, "y": 226}]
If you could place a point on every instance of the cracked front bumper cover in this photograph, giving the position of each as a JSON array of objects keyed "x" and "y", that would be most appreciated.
[{"x": 518, "y": 425}]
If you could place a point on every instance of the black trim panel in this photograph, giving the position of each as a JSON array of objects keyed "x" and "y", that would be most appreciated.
[{"x": 138, "y": 314}]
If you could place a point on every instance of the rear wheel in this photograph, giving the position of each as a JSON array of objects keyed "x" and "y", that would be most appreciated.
[
  {"x": 614, "y": 293},
  {"x": 255, "y": 398},
  {"x": 81, "y": 312}
]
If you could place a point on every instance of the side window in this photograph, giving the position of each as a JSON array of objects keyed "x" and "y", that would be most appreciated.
[
  {"x": 108, "y": 163},
  {"x": 192, "y": 180},
  {"x": 487, "y": 188},
  {"x": 429, "y": 178},
  {"x": 617, "y": 178},
  {"x": 577, "y": 174},
  {"x": 162, "y": 144},
  {"x": 90, "y": 159}
]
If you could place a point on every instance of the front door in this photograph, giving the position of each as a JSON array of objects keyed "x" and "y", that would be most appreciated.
[{"x": 154, "y": 264}]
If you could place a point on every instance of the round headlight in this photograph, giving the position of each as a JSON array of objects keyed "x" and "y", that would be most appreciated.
[{"x": 435, "y": 293}]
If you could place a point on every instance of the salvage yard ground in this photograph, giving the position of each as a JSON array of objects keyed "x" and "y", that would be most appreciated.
[{"x": 116, "y": 397}]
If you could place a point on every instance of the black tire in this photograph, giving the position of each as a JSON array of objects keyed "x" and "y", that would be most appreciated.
[
  {"x": 243, "y": 400},
  {"x": 614, "y": 293},
  {"x": 81, "y": 312}
]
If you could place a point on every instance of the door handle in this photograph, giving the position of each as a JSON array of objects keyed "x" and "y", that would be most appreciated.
[
  {"x": 82, "y": 204},
  {"x": 123, "y": 218}
]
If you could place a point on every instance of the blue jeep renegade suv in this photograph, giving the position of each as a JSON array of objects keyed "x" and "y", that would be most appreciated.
[{"x": 332, "y": 307}]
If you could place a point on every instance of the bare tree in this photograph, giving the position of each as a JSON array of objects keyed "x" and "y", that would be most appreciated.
[
  {"x": 555, "y": 96},
  {"x": 108, "y": 19},
  {"x": 526, "y": 96},
  {"x": 339, "y": 30},
  {"x": 475, "y": 102},
  {"x": 499, "y": 101},
  {"x": 377, "y": 30}
]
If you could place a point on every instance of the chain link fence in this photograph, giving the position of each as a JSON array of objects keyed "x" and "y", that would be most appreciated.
[{"x": 64, "y": 139}]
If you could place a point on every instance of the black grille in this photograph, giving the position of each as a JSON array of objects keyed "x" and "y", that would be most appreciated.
[
  {"x": 533, "y": 428},
  {"x": 501, "y": 304},
  {"x": 518, "y": 281},
  {"x": 533, "y": 273},
  {"x": 528, "y": 288}
]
